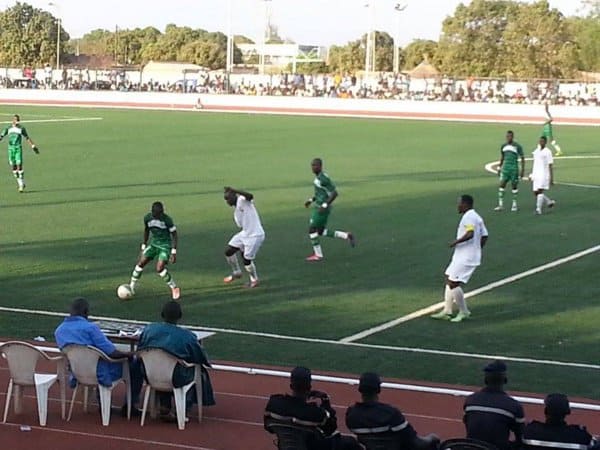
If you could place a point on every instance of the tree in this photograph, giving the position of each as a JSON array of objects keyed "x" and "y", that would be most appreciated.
[
  {"x": 471, "y": 39},
  {"x": 28, "y": 36},
  {"x": 351, "y": 57},
  {"x": 384, "y": 51},
  {"x": 240, "y": 39},
  {"x": 414, "y": 53},
  {"x": 586, "y": 33}
]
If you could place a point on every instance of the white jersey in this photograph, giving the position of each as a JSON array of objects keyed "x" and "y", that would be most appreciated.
[
  {"x": 542, "y": 158},
  {"x": 246, "y": 217},
  {"x": 469, "y": 253}
]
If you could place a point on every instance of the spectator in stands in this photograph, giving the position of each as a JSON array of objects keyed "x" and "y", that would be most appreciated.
[
  {"x": 491, "y": 414},
  {"x": 295, "y": 408},
  {"x": 183, "y": 344},
  {"x": 371, "y": 417},
  {"x": 554, "y": 433},
  {"x": 77, "y": 329}
]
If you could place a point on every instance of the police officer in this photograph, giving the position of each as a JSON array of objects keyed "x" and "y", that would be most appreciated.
[
  {"x": 371, "y": 417},
  {"x": 296, "y": 409},
  {"x": 554, "y": 433},
  {"x": 491, "y": 414}
]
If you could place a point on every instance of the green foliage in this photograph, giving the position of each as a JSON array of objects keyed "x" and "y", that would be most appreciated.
[
  {"x": 309, "y": 68},
  {"x": 28, "y": 36},
  {"x": 507, "y": 38},
  {"x": 587, "y": 36},
  {"x": 351, "y": 57},
  {"x": 415, "y": 52}
]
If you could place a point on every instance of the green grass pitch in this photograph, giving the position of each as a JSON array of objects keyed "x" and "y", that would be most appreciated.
[{"x": 78, "y": 228}]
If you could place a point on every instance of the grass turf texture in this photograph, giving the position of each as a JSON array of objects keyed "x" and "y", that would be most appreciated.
[{"x": 77, "y": 232}]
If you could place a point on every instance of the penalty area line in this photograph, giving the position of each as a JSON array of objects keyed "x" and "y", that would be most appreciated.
[
  {"x": 488, "y": 287},
  {"x": 69, "y": 119}
]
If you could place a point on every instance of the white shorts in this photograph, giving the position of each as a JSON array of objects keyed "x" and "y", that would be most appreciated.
[
  {"x": 541, "y": 183},
  {"x": 459, "y": 272},
  {"x": 248, "y": 245}
]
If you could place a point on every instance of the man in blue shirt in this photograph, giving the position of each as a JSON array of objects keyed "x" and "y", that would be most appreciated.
[
  {"x": 77, "y": 329},
  {"x": 183, "y": 344}
]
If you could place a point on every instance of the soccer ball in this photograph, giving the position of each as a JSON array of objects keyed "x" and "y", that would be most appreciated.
[{"x": 124, "y": 292}]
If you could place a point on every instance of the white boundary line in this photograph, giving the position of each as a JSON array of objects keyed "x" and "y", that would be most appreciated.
[
  {"x": 109, "y": 437},
  {"x": 325, "y": 341},
  {"x": 68, "y": 119},
  {"x": 488, "y": 287}
]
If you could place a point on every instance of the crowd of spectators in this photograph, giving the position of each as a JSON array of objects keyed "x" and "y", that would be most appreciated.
[{"x": 381, "y": 86}]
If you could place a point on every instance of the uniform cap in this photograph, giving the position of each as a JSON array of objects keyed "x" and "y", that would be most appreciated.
[
  {"x": 301, "y": 376},
  {"x": 557, "y": 405},
  {"x": 495, "y": 367},
  {"x": 369, "y": 383}
]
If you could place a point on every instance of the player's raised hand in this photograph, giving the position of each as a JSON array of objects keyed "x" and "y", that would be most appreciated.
[
  {"x": 307, "y": 203},
  {"x": 36, "y": 149}
]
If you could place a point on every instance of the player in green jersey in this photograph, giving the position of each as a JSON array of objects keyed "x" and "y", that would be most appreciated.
[
  {"x": 160, "y": 229},
  {"x": 325, "y": 194},
  {"x": 508, "y": 169},
  {"x": 16, "y": 132},
  {"x": 547, "y": 132}
]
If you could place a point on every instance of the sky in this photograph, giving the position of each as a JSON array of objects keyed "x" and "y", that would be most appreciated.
[{"x": 311, "y": 22}]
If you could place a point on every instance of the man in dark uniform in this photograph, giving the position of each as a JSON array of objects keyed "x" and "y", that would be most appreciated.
[
  {"x": 491, "y": 414},
  {"x": 554, "y": 432},
  {"x": 371, "y": 417},
  {"x": 295, "y": 409}
]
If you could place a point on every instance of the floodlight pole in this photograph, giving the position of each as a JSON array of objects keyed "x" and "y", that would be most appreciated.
[
  {"x": 58, "y": 24},
  {"x": 264, "y": 36},
  {"x": 398, "y": 8},
  {"x": 370, "y": 42},
  {"x": 229, "y": 64}
]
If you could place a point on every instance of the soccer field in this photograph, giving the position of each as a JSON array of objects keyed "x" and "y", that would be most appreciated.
[{"x": 77, "y": 231}]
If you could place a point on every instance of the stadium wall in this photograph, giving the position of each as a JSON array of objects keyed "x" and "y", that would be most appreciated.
[{"x": 388, "y": 109}]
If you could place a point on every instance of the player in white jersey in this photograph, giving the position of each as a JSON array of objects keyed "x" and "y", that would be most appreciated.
[
  {"x": 471, "y": 236},
  {"x": 247, "y": 241},
  {"x": 542, "y": 175}
]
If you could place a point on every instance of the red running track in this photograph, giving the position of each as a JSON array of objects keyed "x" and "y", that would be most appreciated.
[{"x": 235, "y": 423}]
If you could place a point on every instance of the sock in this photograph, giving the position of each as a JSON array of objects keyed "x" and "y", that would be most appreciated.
[
  {"x": 500, "y": 196},
  {"x": 234, "y": 263},
  {"x": 556, "y": 147},
  {"x": 515, "y": 193},
  {"x": 448, "y": 300},
  {"x": 135, "y": 276},
  {"x": 166, "y": 276},
  {"x": 251, "y": 269},
  {"x": 547, "y": 199},
  {"x": 459, "y": 298},
  {"x": 335, "y": 234},
  {"x": 15, "y": 173},
  {"x": 539, "y": 202},
  {"x": 314, "y": 239}
]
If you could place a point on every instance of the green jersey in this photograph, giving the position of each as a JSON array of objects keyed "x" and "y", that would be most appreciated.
[
  {"x": 547, "y": 130},
  {"x": 324, "y": 187},
  {"x": 160, "y": 229},
  {"x": 15, "y": 134},
  {"x": 511, "y": 152}
]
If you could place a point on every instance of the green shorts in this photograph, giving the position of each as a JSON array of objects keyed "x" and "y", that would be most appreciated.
[
  {"x": 319, "y": 219},
  {"x": 510, "y": 175},
  {"x": 15, "y": 156},
  {"x": 154, "y": 251}
]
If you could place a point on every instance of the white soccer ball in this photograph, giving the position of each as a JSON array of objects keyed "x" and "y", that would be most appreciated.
[{"x": 124, "y": 292}]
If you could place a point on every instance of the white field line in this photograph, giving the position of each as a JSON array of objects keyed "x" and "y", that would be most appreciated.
[
  {"x": 109, "y": 437},
  {"x": 488, "y": 287},
  {"x": 67, "y": 119},
  {"x": 320, "y": 341}
]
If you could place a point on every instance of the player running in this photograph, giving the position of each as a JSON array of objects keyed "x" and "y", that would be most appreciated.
[
  {"x": 160, "y": 229},
  {"x": 542, "y": 175},
  {"x": 547, "y": 132},
  {"x": 247, "y": 241},
  {"x": 509, "y": 170},
  {"x": 471, "y": 237},
  {"x": 325, "y": 194},
  {"x": 16, "y": 132}
]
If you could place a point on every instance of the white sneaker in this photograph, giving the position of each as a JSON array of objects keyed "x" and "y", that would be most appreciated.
[
  {"x": 538, "y": 212},
  {"x": 514, "y": 207},
  {"x": 499, "y": 208},
  {"x": 551, "y": 203}
]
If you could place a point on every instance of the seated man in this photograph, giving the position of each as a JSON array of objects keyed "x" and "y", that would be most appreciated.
[
  {"x": 554, "y": 433},
  {"x": 76, "y": 329},
  {"x": 371, "y": 417},
  {"x": 295, "y": 409},
  {"x": 184, "y": 345},
  {"x": 491, "y": 414}
]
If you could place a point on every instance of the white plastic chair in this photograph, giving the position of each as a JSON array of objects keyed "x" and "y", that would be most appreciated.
[
  {"x": 83, "y": 361},
  {"x": 22, "y": 360},
  {"x": 159, "y": 366}
]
